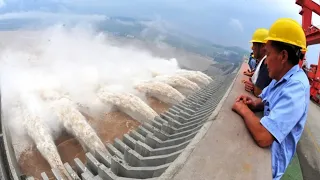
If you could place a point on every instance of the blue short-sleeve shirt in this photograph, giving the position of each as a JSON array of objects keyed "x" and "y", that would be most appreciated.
[
  {"x": 252, "y": 63},
  {"x": 285, "y": 112}
]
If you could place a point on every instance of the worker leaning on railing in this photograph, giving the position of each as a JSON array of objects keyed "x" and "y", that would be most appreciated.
[
  {"x": 257, "y": 50},
  {"x": 285, "y": 101},
  {"x": 252, "y": 65},
  {"x": 260, "y": 77}
]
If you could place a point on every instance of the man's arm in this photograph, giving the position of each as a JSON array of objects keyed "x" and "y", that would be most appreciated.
[
  {"x": 282, "y": 118},
  {"x": 258, "y": 105},
  {"x": 255, "y": 104},
  {"x": 259, "y": 133},
  {"x": 256, "y": 91},
  {"x": 252, "y": 122}
]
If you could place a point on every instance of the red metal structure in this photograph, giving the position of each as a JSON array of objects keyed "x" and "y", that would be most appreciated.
[{"x": 313, "y": 37}]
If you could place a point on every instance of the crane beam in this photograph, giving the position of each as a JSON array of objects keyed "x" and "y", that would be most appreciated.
[
  {"x": 306, "y": 14},
  {"x": 314, "y": 7},
  {"x": 312, "y": 32},
  {"x": 313, "y": 36}
]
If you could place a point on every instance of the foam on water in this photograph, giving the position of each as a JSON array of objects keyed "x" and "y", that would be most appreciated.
[
  {"x": 127, "y": 103},
  {"x": 74, "y": 122},
  {"x": 161, "y": 91},
  {"x": 183, "y": 85},
  {"x": 69, "y": 71},
  {"x": 195, "y": 76}
]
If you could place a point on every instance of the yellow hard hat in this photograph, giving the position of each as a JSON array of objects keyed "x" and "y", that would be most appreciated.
[
  {"x": 260, "y": 35},
  {"x": 288, "y": 31}
]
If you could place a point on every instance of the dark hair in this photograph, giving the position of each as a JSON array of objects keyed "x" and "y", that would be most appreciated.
[
  {"x": 294, "y": 52},
  {"x": 259, "y": 45}
]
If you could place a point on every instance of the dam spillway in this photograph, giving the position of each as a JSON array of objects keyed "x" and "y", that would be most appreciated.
[{"x": 148, "y": 151}]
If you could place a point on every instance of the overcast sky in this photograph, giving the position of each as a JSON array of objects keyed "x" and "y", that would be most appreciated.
[{"x": 228, "y": 22}]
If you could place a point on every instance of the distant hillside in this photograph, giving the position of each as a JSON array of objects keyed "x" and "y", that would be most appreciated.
[{"x": 146, "y": 30}]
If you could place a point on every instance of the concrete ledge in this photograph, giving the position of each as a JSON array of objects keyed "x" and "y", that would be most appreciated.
[{"x": 226, "y": 150}]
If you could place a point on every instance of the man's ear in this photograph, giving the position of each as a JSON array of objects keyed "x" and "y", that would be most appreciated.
[{"x": 284, "y": 56}]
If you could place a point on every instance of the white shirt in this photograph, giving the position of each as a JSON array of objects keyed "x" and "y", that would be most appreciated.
[{"x": 256, "y": 72}]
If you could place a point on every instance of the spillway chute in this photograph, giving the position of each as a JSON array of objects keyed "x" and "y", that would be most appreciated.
[
  {"x": 76, "y": 79},
  {"x": 160, "y": 91},
  {"x": 203, "y": 75},
  {"x": 74, "y": 122},
  {"x": 43, "y": 139},
  {"x": 183, "y": 85},
  {"x": 127, "y": 103},
  {"x": 195, "y": 76}
]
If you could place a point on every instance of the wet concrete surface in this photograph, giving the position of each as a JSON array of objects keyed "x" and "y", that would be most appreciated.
[{"x": 114, "y": 125}]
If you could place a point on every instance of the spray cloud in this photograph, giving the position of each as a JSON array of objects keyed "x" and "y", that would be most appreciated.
[{"x": 60, "y": 67}]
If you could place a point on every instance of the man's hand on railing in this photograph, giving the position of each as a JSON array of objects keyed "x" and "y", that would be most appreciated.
[
  {"x": 248, "y": 85},
  {"x": 255, "y": 104},
  {"x": 248, "y": 73},
  {"x": 246, "y": 100}
]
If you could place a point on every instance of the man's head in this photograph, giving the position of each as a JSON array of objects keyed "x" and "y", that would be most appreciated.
[
  {"x": 258, "y": 43},
  {"x": 285, "y": 43}
]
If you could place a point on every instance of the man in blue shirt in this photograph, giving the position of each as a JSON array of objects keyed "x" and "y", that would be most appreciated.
[
  {"x": 252, "y": 63},
  {"x": 284, "y": 101}
]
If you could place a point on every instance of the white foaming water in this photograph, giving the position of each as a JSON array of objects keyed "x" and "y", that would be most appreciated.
[
  {"x": 163, "y": 67},
  {"x": 44, "y": 142},
  {"x": 183, "y": 85},
  {"x": 128, "y": 103},
  {"x": 38, "y": 131},
  {"x": 74, "y": 122},
  {"x": 65, "y": 68},
  {"x": 203, "y": 75},
  {"x": 161, "y": 91},
  {"x": 196, "y": 76}
]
